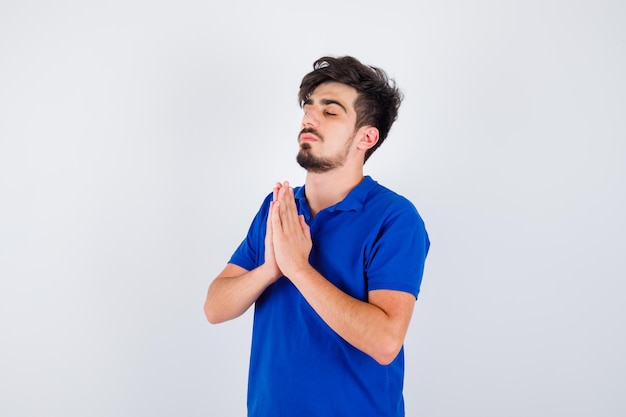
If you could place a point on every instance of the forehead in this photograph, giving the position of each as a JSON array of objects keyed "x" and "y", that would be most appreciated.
[{"x": 336, "y": 91}]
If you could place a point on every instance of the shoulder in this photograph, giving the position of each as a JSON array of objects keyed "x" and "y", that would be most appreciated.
[
  {"x": 261, "y": 214},
  {"x": 382, "y": 198},
  {"x": 393, "y": 215}
]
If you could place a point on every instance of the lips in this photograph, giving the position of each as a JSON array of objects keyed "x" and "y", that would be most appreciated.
[{"x": 308, "y": 137}]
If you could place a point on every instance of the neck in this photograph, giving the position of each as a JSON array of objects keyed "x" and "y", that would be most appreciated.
[{"x": 328, "y": 188}]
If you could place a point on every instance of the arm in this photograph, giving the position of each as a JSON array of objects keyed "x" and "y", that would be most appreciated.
[
  {"x": 235, "y": 289},
  {"x": 376, "y": 327}
]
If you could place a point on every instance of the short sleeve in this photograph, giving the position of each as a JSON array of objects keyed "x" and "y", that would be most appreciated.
[
  {"x": 251, "y": 252},
  {"x": 397, "y": 257}
]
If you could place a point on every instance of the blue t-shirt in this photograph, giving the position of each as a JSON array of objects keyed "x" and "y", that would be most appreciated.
[{"x": 373, "y": 239}]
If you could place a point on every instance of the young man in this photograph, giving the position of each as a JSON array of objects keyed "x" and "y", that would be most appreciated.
[{"x": 333, "y": 267}]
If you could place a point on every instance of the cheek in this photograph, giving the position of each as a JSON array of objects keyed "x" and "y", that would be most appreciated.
[{"x": 345, "y": 130}]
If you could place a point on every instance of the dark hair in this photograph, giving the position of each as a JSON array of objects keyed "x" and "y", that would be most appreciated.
[{"x": 378, "y": 98}]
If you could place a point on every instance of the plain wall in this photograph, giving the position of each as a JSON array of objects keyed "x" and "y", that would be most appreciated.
[{"x": 137, "y": 140}]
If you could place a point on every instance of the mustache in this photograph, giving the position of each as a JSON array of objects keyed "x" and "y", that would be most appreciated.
[{"x": 311, "y": 131}]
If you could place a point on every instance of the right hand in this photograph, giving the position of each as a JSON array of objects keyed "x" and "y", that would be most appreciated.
[{"x": 270, "y": 264}]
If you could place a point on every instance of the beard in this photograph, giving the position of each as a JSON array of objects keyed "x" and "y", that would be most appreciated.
[{"x": 318, "y": 164}]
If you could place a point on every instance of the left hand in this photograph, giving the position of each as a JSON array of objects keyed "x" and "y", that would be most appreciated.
[{"x": 290, "y": 233}]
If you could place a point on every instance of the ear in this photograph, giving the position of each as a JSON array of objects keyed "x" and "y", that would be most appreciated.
[{"x": 368, "y": 137}]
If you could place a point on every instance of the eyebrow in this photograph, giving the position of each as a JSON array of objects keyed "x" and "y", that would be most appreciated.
[{"x": 327, "y": 102}]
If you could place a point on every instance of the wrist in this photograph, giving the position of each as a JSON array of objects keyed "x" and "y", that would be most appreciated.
[
  {"x": 269, "y": 273},
  {"x": 297, "y": 272}
]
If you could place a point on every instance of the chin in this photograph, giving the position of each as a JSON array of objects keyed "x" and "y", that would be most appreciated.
[{"x": 314, "y": 164}]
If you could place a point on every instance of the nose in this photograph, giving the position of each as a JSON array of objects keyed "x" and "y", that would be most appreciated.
[{"x": 310, "y": 118}]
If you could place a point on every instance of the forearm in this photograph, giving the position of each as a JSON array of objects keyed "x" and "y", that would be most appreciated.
[
  {"x": 364, "y": 325},
  {"x": 234, "y": 291}
]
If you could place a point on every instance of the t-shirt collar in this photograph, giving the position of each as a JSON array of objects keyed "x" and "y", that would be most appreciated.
[{"x": 353, "y": 201}]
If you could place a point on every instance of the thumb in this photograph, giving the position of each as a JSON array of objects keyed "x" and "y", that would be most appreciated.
[{"x": 305, "y": 227}]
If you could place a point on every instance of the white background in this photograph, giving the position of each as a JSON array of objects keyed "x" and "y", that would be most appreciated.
[{"x": 137, "y": 140}]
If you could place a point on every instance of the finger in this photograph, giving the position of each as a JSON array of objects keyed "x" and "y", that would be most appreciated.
[
  {"x": 305, "y": 227},
  {"x": 282, "y": 189},
  {"x": 277, "y": 187},
  {"x": 282, "y": 195},
  {"x": 275, "y": 218},
  {"x": 286, "y": 195},
  {"x": 288, "y": 211}
]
